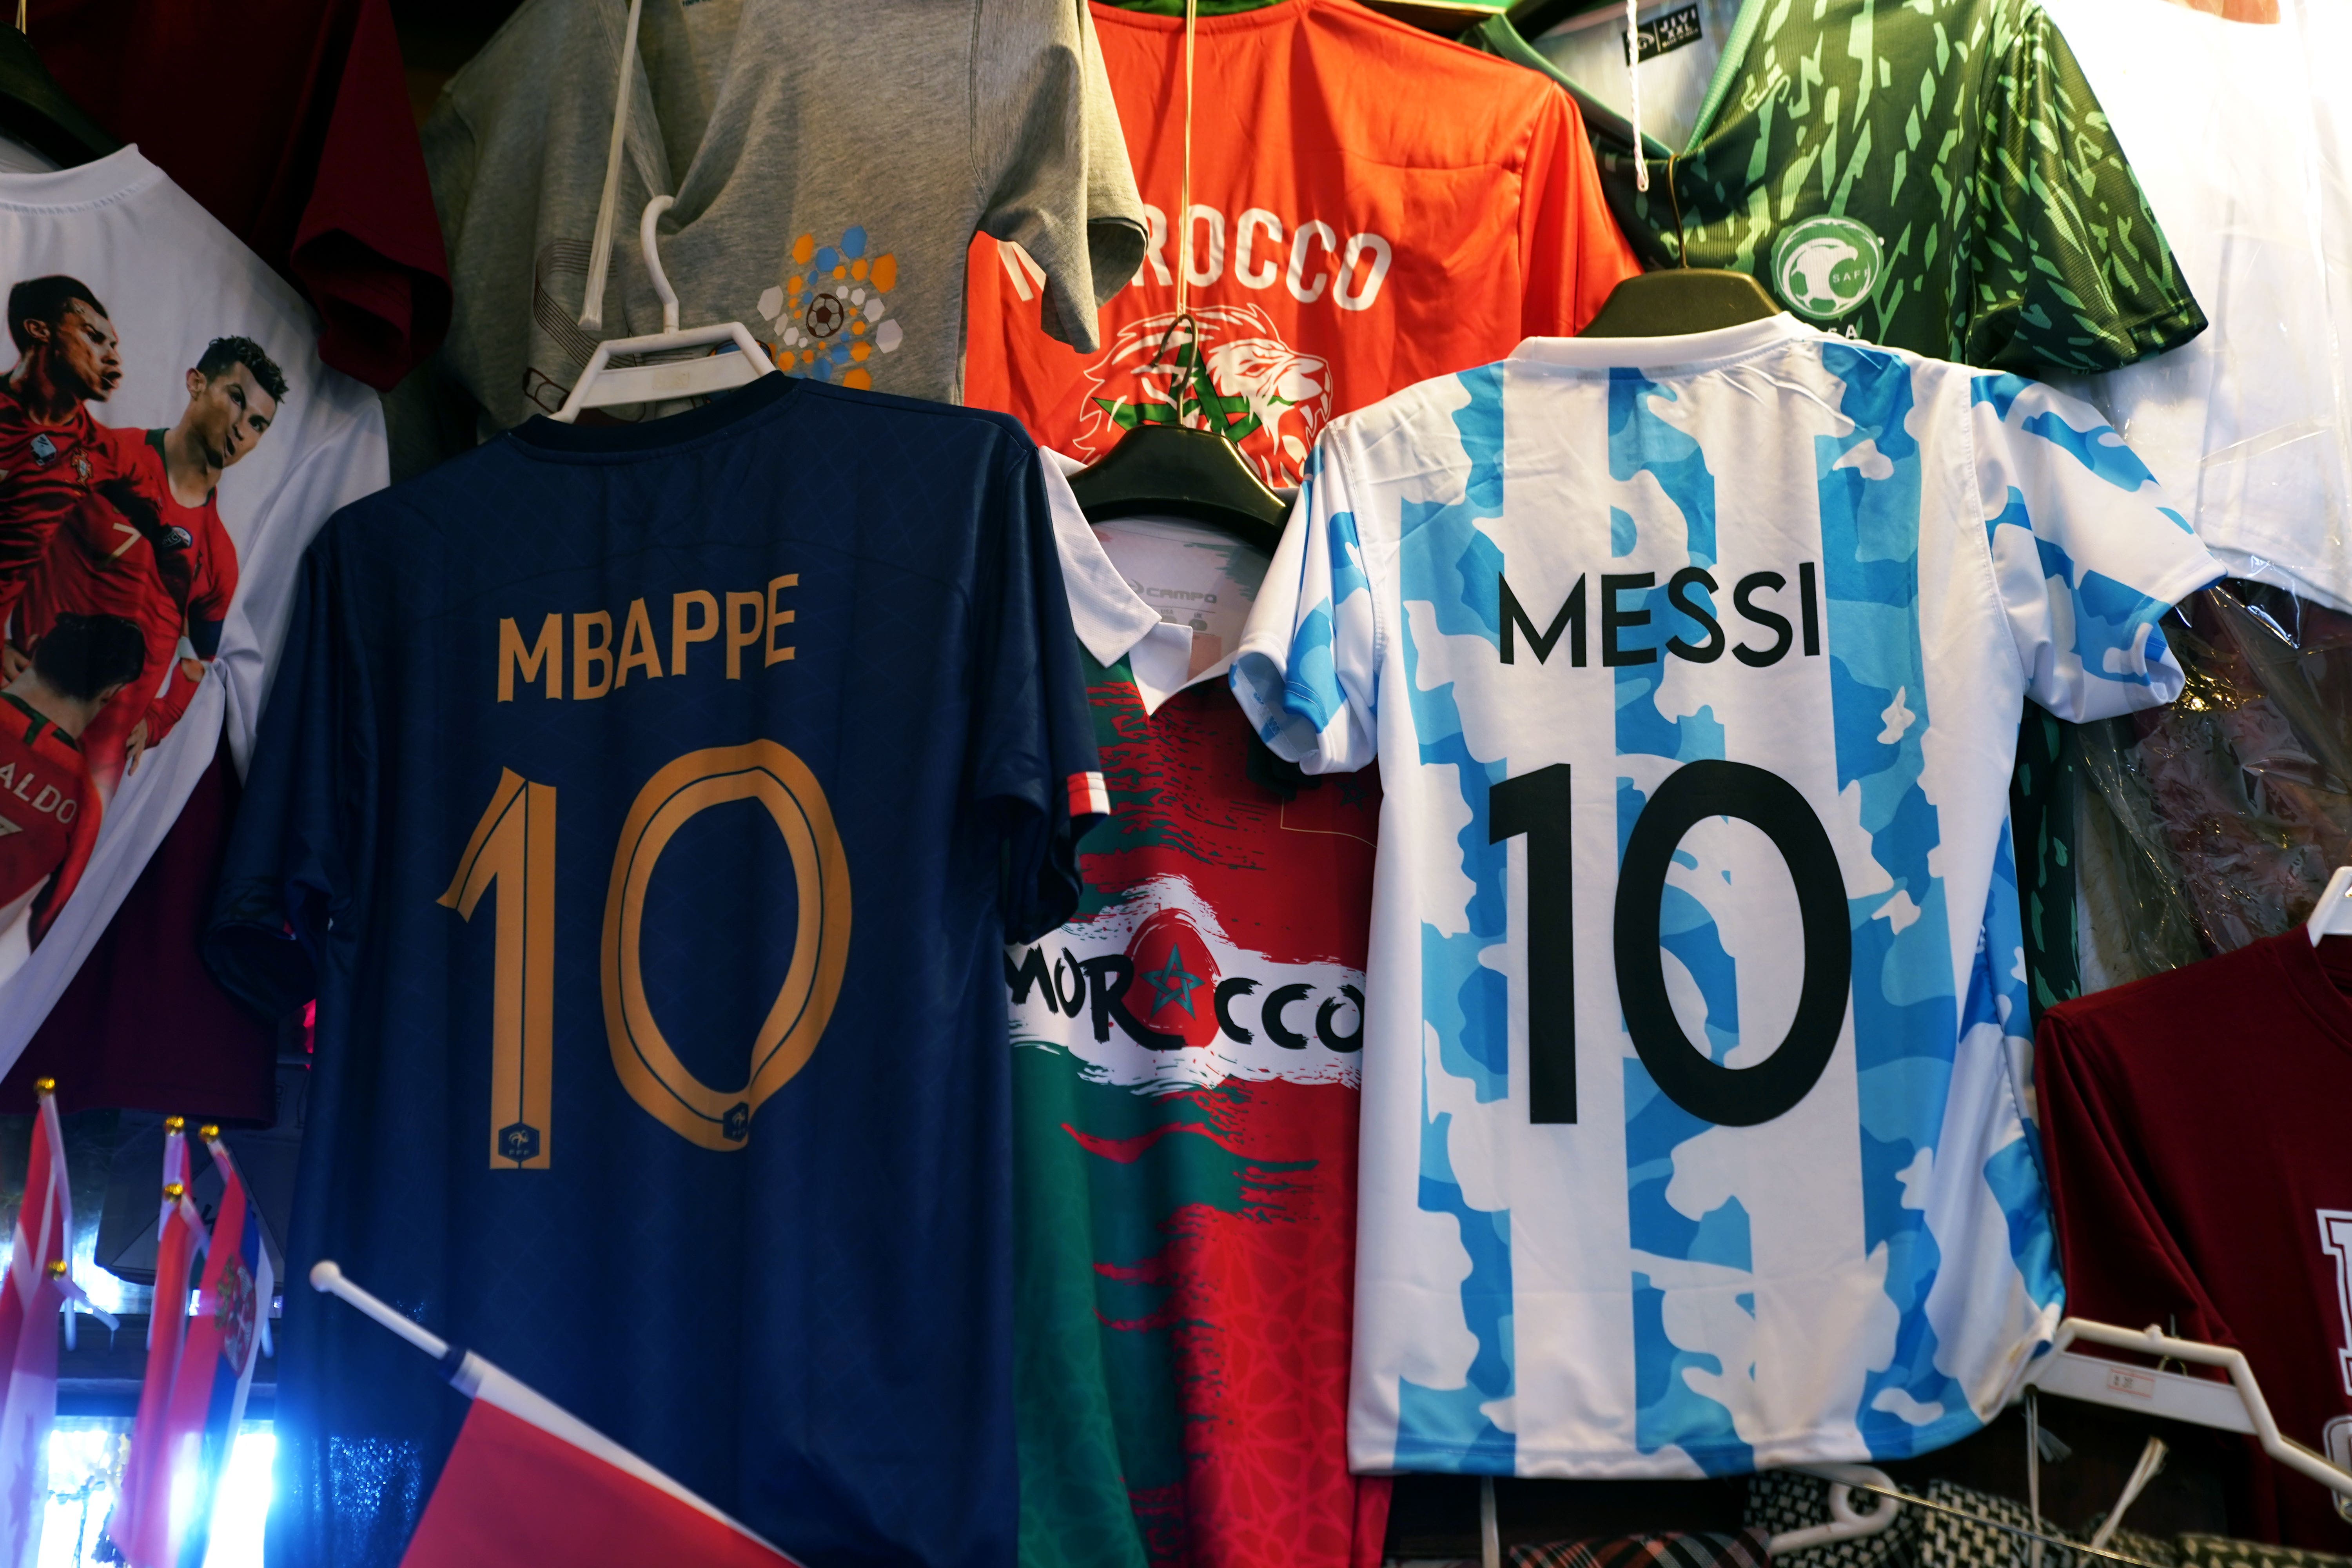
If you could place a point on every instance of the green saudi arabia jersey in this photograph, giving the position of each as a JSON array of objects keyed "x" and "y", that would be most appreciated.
[{"x": 1933, "y": 176}]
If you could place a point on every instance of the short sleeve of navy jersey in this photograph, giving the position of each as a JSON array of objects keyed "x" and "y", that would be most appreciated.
[
  {"x": 287, "y": 873},
  {"x": 1033, "y": 731}
]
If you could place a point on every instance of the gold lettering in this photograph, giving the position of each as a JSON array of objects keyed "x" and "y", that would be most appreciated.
[
  {"x": 546, "y": 651},
  {"x": 681, "y": 633},
  {"x": 743, "y": 630},
  {"x": 637, "y": 647},
  {"x": 586, "y": 655},
  {"x": 777, "y": 617}
]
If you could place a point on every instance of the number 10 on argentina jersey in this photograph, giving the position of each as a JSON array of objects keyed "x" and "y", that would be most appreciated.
[{"x": 1696, "y": 1134}]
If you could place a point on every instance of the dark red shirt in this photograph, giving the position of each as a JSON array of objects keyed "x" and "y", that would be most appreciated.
[
  {"x": 2196, "y": 1125},
  {"x": 289, "y": 121}
]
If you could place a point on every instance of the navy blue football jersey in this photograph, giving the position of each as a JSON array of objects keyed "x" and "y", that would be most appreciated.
[{"x": 647, "y": 809}]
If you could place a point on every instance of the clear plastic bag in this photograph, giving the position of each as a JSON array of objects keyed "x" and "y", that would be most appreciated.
[{"x": 2217, "y": 821}]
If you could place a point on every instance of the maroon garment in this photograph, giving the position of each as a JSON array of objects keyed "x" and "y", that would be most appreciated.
[
  {"x": 144, "y": 1025},
  {"x": 2196, "y": 1124},
  {"x": 289, "y": 121}
]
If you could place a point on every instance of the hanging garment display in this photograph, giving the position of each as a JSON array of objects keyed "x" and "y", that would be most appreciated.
[
  {"x": 1585, "y": 612},
  {"x": 317, "y": 169},
  {"x": 1933, "y": 177},
  {"x": 2215, "y": 822},
  {"x": 155, "y": 355},
  {"x": 1184, "y": 1095},
  {"x": 2247, "y": 425},
  {"x": 1370, "y": 206},
  {"x": 2219, "y": 1203},
  {"x": 829, "y": 216},
  {"x": 716, "y": 1166}
]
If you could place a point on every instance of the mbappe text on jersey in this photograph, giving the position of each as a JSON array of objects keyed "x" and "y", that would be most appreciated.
[{"x": 751, "y": 620}]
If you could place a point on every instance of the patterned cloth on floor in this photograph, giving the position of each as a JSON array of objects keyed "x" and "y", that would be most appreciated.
[
  {"x": 2223, "y": 1552},
  {"x": 1948, "y": 1542},
  {"x": 1746, "y": 1549},
  {"x": 1782, "y": 1500}
]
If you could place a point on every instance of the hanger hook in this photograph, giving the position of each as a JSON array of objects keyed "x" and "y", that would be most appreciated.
[{"x": 648, "y": 243}]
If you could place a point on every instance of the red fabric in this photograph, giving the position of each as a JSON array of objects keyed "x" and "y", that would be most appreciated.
[
  {"x": 513, "y": 1492},
  {"x": 140, "y": 1527},
  {"x": 45, "y": 472},
  {"x": 49, "y": 812},
  {"x": 2195, "y": 1128},
  {"x": 30, "y": 1297},
  {"x": 144, "y": 1026},
  {"x": 100, "y": 563},
  {"x": 1372, "y": 206},
  {"x": 289, "y": 121}
]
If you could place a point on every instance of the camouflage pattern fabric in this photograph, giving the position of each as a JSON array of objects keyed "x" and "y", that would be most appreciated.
[{"x": 1934, "y": 175}]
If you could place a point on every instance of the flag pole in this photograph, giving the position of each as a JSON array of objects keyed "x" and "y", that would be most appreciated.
[{"x": 327, "y": 1278}]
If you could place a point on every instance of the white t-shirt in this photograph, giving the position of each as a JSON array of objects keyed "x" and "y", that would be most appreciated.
[
  {"x": 171, "y": 280},
  {"x": 2248, "y": 426},
  {"x": 1694, "y": 688}
]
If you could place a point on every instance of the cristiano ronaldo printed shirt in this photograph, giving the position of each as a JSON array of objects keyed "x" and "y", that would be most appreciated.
[
  {"x": 648, "y": 809},
  {"x": 150, "y": 348},
  {"x": 1694, "y": 1019}
]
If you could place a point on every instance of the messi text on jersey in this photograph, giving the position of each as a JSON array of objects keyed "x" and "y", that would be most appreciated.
[{"x": 1632, "y": 621}]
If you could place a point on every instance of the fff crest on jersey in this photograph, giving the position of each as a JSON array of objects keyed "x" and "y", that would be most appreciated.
[{"x": 1824, "y": 267}]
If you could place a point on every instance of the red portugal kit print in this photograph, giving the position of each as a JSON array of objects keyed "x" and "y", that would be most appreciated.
[{"x": 1185, "y": 1093}]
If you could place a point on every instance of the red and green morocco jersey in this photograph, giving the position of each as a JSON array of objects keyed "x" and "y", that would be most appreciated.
[{"x": 1185, "y": 1059}]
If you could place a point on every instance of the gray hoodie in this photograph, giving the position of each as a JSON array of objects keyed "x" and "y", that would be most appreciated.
[{"x": 825, "y": 199}]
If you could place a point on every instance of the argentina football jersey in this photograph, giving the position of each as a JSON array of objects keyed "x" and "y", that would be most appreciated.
[{"x": 1695, "y": 1128}]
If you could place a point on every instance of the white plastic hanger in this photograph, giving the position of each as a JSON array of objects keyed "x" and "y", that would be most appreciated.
[
  {"x": 2233, "y": 1407},
  {"x": 1847, "y": 1521},
  {"x": 602, "y": 386},
  {"x": 2332, "y": 916}
]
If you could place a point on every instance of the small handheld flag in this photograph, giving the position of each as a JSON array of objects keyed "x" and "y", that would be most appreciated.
[
  {"x": 530, "y": 1482},
  {"x": 140, "y": 1528},
  {"x": 39, "y": 1284},
  {"x": 191, "y": 1444}
]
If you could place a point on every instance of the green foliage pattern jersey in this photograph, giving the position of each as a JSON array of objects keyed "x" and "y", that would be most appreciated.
[{"x": 1935, "y": 176}]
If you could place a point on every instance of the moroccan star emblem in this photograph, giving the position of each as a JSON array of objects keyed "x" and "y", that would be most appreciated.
[{"x": 1172, "y": 983}]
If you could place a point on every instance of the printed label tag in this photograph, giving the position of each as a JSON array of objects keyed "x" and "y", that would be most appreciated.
[
  {"x": 2123, "y": 1379},
  {"x": 1664, "y": 35}
]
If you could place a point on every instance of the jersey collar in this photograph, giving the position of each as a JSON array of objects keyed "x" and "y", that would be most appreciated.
[
  {"x": 122, "y": 173},
  {"x": 1686, "y": 352},
  {"x": 1112, "y": 618},
  {"x": 40, "y": 722}
]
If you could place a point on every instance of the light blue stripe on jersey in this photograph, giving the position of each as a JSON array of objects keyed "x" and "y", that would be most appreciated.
[
  {"x": 1669, "y": 1411},
  {"x": 1445, "y": 562},
  {"x": 1904, "y": 1012}
]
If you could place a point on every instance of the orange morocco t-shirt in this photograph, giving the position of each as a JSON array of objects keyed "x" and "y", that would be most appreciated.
[{"x": 1370, "y": 206}]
